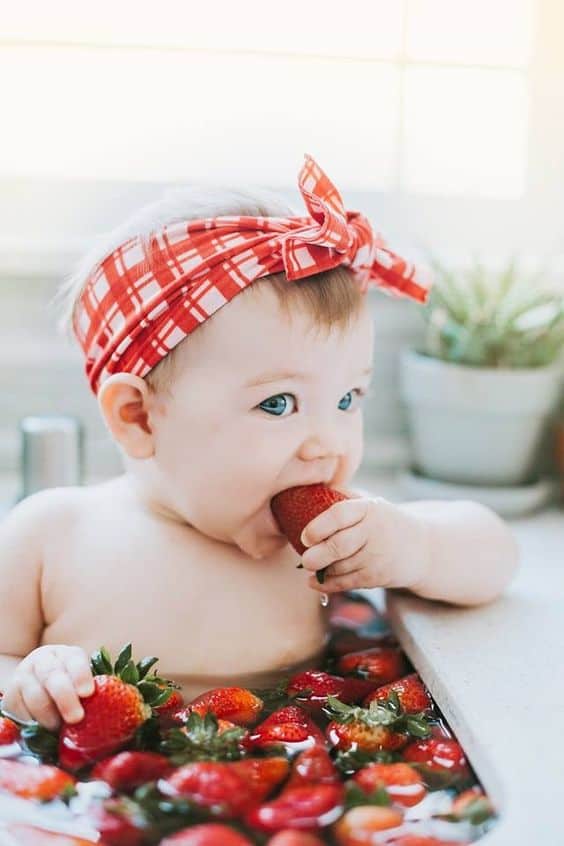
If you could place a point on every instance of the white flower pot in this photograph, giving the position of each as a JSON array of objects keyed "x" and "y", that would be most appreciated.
[{"x": 476, "y": 425}]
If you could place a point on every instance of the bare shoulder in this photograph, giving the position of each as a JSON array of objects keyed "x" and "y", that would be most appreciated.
[{"x": 42, "y": 509}]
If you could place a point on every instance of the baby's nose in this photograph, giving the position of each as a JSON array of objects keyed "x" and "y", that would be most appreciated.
[{"x": 323, "y": 440}]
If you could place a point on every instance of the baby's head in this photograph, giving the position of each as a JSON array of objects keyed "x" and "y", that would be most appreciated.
[{"x": 263, "y": 395}]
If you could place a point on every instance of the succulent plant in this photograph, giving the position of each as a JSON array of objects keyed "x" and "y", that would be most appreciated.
[{"x": 479, "y": 318}]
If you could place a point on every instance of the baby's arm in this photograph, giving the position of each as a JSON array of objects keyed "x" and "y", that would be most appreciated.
[
  {"x": 471, "y": 553},
  {"x": 38, "y": 682}
]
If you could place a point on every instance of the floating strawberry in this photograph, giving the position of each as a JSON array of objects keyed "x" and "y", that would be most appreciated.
[
  {"x": 401, "y": 782},
  {"x": 42, "y": 782},
  {"x": 116, "y": 825},
  {"x": 441, "y": 761},
  {"x": 378, "y": 727},
  {"x": 293, "y": 837},
  {"x": 344, "y": 642},
  {"x": 311, "y": 688},
  {"x": 166, "y": 712},
  {"x": 311, "y": 806},
  {"x": 358, "y": 826},
  {"x": 211, "y": 784},
  {"x": 122, "y": 701},
  {"x": 472, "y": 805},
  {"x": 128, "y": 770},
  {"x": 381, "y": 664},
  {"x": 9, "y": 731},
  {"x": 313, "y": 766},
  {"x": 290, "y": 726},
  {"x": 295, "y": 507},
  {"x": 204, "y": 739},
  {"x": 206, "y": 834},
  {"x": 237, "y": 704},
  {"x": 262, "y": 774},
  {"x": 411, "y": 692}
]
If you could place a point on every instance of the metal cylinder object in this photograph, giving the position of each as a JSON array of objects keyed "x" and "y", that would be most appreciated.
[{"x": 52, "y": 452}]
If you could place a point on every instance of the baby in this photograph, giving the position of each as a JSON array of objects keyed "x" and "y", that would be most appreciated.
[{"x": 219, "y": 394}]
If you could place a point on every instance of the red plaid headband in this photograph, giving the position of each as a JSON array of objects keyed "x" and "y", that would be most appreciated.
[{"x": 135, "y": 308}]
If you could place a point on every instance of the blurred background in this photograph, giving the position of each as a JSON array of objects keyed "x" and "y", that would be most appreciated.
[{"x": 441, "y": 120}]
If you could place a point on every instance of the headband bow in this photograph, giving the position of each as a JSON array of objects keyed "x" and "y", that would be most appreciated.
[{"x": 135, "y": 308}]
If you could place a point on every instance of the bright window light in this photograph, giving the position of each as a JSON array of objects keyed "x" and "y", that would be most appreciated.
[
  {"x": 491, "y": 32},
  {"x": 465, "y": 132},
  {"x": 370, "y": 28},
  {"x": 143, "y": 115}
]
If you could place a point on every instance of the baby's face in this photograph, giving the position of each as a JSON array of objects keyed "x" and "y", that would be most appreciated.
[{"x": 260, "y": 402}]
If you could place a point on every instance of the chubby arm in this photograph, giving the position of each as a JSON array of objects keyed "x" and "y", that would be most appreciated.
[{"x": 471, "y": 554}]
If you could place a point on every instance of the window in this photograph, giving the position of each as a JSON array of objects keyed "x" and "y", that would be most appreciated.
[{"x": 416, "y": 96}]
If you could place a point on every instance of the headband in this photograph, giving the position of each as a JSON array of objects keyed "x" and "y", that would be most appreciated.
[{"x": 137, "y": 305}]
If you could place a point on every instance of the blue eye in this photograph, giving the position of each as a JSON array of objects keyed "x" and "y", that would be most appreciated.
[
  {"x": 277, "y": 404},
  {"x": 347, "y": 401}
]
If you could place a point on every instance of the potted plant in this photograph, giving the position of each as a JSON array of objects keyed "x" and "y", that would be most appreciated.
[{"x": 481, "y": 386}]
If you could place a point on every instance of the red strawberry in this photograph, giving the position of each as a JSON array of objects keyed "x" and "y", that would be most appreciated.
[
  {"x": 121, "y": 703},
  {"x": 262, "y": 774},
  {"x": 29, "y": 835},
  {"x": 289, "y": 725},
  {"x": 313, "y": 766},
  {"x": 211, "y": 783},
  {"x": 115, "y": 826},
  {"x": 308, "y": 807},
  {"x": 358, "y": 825},
  {"x": 381, "y": 664},
  {"x": 311, "y": 688},
  {"x": 41, "y": 782},
  {"x": 9, "y": 731},
  {"x": 236, "y": 704},
  {"x": 358, "y": 735},
  {"x": 206, "y": 834},
  {"x": 380, "y": 726},
  {"x": 411, "y": 693},
  {"x": 351, "y": 613},
  {"x": 472, "y": 805},
  {"x": 295, "y": 507},
  {"x": 166, "y": 712},
  {"x": 343, "y": 642},
  {"x": 437, "y": 754},
  {"x": 128, "y": 770},
  {"x": 402, "y": 783},
  {"x": 289, "y": 837}
]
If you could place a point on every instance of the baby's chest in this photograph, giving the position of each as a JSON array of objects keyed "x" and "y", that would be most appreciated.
[{"x": 198, "y": 611}]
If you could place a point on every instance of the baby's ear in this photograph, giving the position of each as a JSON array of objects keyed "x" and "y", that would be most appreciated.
[{"x": 124, "y": 403}]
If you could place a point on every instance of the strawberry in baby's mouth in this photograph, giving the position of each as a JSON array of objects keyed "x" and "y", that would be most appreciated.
[{"x": 295, "y": 507}]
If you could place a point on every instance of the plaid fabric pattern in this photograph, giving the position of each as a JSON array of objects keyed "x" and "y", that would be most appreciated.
[{"x": 136, "y": 307}]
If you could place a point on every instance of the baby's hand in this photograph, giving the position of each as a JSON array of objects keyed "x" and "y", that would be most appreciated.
[
  {"x": 365, "y": 543},
  {"x": 47, "y": 684}
]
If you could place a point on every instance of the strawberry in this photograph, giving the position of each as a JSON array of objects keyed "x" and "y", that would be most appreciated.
[
  {"x": 289, "y": 725},
  {"x": 295, "y": 507},
  {"x": 401, "y": 782},
  {"x": 206, "y": 834},
  {"x": 358, "y": 825},
  {"x": 313, "y": 766},
  {"x": 381, "y": 664},
  {"x": 42, "y": 782},
  {"x": 204, "y": 739},
  {"x": 211, "y": 784},
  {"x": 292, "y": 837},
  {"x": 236, "y": 704},
  {"x": 167, "y": 711},
  {"x": 311, "y": 688},
  {"x": 343, "y": 642},
  {"x": 21, "y": 834},
  {"x": 128, "y": 770},
  {"x": 115, "y": 825},
  {"x": 121, "y": 703},
  {"x": 262, "y": 774},
  {"x": 380, "y": 726},
  {"x": 437, "y": 754},
  {"x": 472, "y": 805},
  {"x": 411, "y": 692},
  {"x": 308, "y": 807},
  {"x": 351, "y": 613},
  {"x": 9, "y": 731}
]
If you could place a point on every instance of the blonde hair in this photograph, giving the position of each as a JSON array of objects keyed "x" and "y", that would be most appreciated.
[{"x": 331, "y": 298}]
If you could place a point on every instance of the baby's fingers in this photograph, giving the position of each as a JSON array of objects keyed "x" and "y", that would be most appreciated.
[
  {"x": 340, "y": 515},
  {"x": 77, "y": 665},
  {"x": 337, "y": 547},
  {"x": 52, "y": 675},
  {"x": 38, "y": 703}
]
